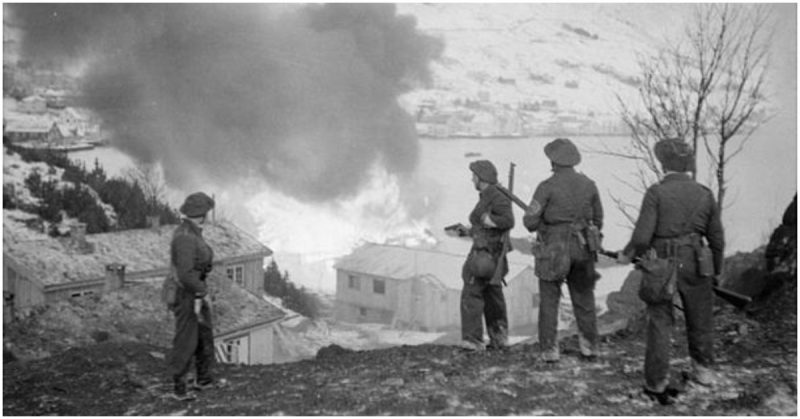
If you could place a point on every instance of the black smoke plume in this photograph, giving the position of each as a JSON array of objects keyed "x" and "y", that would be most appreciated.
[{"x": 303, "y": 96}]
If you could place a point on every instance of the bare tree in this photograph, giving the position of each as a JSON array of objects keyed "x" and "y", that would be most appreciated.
[
  {"x": 151, "y": 180},
  {"x": 706, "y": 88},
  {"x": 737, "y": 105}
]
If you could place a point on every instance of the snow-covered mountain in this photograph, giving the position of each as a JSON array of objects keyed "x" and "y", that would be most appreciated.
[{"x": 568, "y": 59}]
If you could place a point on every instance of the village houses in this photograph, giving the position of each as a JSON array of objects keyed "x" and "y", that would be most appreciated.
[
  {"x": 46, "y": 270},
  {"x": 34, "y": 120}
]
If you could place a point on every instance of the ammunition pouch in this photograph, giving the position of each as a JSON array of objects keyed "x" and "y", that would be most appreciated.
[
  {"x": 552, "y": 260},
  {"x": 705, "y": 261},
  {"x": 594, "y": 239},
  {"x": 659, "y": 278},
  {"x": 481, "y": 264}
]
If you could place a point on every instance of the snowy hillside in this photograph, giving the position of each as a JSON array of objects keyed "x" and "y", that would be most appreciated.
[
  {"x": 579, "y": 55},
  {"x": 15, "y": 172}
]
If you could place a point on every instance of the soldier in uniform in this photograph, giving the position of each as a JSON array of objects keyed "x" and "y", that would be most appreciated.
[
  {"x": 564, "y": 208},
  {"x": 482, "y": 295},
  {"x": 676, "y": 214},
  {"x": 192, "y": 260}
]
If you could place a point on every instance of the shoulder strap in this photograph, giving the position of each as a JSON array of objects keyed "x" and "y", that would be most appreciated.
[{"x": 174, "y": 275}]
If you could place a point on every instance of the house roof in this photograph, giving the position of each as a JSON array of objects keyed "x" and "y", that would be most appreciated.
[
  {"x": 33, "y": 98},
  {"x": 236, "y": 309},
  {"x": 233, "y": 308},
  {"x": 54, "y": 261},
  {"x": 398, "y": 262},
  {"x": 33, "y": 125}
]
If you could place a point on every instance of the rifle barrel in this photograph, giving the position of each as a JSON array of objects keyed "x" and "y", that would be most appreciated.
[{"x": 513, "y": 197}]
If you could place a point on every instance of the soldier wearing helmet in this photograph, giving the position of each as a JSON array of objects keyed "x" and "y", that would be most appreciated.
[
  {"x": 191, "y": 259},
  {"x": 482, "y": 295},
  {"x": 566, "y": 214}
]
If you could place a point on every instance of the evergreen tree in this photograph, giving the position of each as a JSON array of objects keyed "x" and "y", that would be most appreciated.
[
  {"x": 273, "y": 282},
  {"x": 293, "y": 298},
  {"x": 126, "y": 197}
]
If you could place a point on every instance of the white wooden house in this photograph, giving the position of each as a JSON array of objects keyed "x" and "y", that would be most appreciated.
[
  {"x": 421, "y": 288},
  {"x": 246, "y": 326},
  {"x": 32, "y": 128}
]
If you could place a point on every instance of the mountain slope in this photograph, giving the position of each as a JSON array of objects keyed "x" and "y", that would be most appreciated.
[{"x": 580, "y": 55}]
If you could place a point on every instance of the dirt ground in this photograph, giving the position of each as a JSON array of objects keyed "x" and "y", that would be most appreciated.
[{"x": 757, "y": 365}]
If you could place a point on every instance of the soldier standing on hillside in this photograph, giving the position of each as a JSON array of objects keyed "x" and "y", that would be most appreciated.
[
  {"x": 482, "y": 295},
  {"x": 567, "y": 215},
  {"x": 675, "y": 215},
  {"x": 192, "y": 258}
]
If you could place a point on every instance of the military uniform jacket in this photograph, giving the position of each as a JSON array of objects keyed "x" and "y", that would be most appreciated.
[
  {"x": 498, "y": 206},
  {"x": 666, "y": 211},
  {"x": 565, "y": 198},
  {"x": 192, "y": 257}
]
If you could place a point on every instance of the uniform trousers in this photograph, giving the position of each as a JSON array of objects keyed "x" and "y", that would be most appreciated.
[
  {"x": 580, "y": 282},
  {"x": 697, "y": 297},
  {"x": 192, "y": 339},
  {"x": 479, "y": 300}
]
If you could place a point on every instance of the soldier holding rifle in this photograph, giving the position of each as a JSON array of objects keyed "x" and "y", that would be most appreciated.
[
  {"x": 486, "y": 266},
  {"x": 567, "y": 216},
  {"x": 676, "y": 215}
]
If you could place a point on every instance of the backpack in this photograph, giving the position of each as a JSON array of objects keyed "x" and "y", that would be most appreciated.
[{"x": 169, "y": 288}]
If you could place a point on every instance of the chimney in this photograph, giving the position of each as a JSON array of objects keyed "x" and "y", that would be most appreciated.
[
  {"x": 8, "y": 307},
  {"x": 115, "y": 276},
  {"x": 153, "y": 221}
]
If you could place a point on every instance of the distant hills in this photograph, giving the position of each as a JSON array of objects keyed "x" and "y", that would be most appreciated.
[{"x": 556, "y": 67}]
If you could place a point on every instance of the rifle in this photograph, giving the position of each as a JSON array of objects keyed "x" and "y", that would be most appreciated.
[
  {"x": 732, "y": 297},
  {"x": 498, "y": 271}
]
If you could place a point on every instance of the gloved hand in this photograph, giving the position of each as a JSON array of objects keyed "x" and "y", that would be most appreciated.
[
  {"x": 715, "y": 280},
  {"x": 623, "y": 259}
]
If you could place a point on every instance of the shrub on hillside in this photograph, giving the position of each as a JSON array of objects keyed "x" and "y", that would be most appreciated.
[
  {"x": 126, "y": 197},
  {"x": 76, "y": 201},
  {"x": 9, "y": 199}
]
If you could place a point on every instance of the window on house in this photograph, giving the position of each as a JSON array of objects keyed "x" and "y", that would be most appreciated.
[
  {"x": 232, "y": 351},
  {"x": 353, "y": 282},
  {"x": 535, "y": 300},
  {"x": 236, "y": 274},
  {"x": 362, "y": 311},
  {"x": 379, "y": 286}
]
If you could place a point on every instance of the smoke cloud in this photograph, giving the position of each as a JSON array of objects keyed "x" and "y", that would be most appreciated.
[{"x": 304, "y": 97}]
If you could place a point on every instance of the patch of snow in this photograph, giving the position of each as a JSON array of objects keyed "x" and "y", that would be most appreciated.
[
  {"x": 15, "y": 229},
  {"x": 16, "y": 170}
]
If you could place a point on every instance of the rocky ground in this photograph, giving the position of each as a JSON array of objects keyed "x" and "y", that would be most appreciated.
[{"x": 756, "y": 354}]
